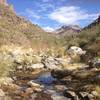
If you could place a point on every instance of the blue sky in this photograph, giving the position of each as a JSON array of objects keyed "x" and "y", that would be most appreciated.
[{"x": 51, "y": 14}]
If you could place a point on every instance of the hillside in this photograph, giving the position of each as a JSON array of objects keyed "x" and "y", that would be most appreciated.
[
  {"x": 19, "y": 31},
  {"x": 89, "y": 38}
]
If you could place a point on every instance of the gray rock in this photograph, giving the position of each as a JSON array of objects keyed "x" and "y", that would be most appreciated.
[{"x": 51, "y": 63}]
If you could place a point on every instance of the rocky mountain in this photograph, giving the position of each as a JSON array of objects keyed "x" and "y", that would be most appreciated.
[
  {"x": 68, "y": 30},
  {"x": 96, "y": 22},
  {"x": 17, "y": 30},
  {"x": 89, "y": 37}
]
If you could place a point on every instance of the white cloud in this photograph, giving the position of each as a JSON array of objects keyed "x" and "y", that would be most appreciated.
[
  {"x": 32, "y": 14},
  {"x": 46, "y": 6},
  {"x": 71, "y": 15},
  {"x": 48, "y": 29}
]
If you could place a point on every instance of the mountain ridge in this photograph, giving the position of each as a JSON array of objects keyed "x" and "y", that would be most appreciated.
[
  {"x": 68, "y": 30},
  {"x": 19, "y": 31}
]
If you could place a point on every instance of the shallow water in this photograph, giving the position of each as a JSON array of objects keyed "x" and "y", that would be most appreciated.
[{"x": 45, "y": 79}]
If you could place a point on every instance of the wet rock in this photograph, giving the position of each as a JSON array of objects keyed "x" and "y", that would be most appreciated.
[
  {"x": 35, "y": 86},
  {"x": 70, "y": 94},
  {"x": 59, "y": 74},
  {"x": 46, "y": 78}
]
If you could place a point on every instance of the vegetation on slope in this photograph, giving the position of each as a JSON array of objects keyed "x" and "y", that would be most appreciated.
[{"x": 16, "y": 30}]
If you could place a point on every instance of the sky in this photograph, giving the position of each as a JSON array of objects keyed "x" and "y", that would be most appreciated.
[{"x": 52, "y": 14}]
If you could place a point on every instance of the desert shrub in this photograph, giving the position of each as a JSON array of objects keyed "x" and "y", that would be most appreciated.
[
  {"x": 82, "y": 43},
  {"x": 6, "y": 66},
  {"x": 61, "y": 52}
]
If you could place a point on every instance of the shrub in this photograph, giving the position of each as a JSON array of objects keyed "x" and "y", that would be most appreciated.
[{"x": 6, "y": 66}]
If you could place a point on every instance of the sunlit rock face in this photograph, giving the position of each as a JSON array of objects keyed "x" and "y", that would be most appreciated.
[
  {"x": 75, "y": 53},
  {"x": 76, "y": 50}
]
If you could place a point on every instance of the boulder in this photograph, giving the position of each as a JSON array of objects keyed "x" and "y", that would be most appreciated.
[
  {"x": 51, "y": 63},
  {"x": 33, "y": 84},
  {"x": 76, "y": 51}
]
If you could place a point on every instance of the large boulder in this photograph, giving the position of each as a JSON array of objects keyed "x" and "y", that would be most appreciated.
[
  {"x": 76, "y": 50},
  {"x": 75, "y": 53}
]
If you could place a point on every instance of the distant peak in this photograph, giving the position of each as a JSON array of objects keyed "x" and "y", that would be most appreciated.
[{"x": 76, "y": 27}]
